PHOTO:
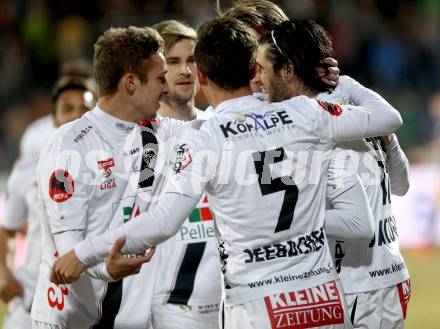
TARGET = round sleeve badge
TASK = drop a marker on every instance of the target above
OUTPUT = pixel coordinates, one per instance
(61, 186)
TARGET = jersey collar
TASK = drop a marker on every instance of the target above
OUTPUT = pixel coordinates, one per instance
(236, 104)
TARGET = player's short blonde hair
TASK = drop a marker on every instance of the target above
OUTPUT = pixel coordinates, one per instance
(261, 15)
(173, 31)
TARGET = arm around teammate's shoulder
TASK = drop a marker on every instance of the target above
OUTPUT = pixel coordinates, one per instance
(398, 165)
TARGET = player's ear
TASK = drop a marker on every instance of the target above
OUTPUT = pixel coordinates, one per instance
(254, 71)
(288, 71)
(201, 76)
(128, 82)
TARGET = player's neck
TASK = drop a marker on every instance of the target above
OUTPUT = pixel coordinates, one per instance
(218, 95)
(184, 112)
(299, 88)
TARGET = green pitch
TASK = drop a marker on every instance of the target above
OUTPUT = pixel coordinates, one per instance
(423, 308)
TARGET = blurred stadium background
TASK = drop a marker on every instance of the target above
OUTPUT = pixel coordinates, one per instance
(392, 46)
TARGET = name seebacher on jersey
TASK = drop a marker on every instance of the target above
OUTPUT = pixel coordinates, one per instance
(304, 245)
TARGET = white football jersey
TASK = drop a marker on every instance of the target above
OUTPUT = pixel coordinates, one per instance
(264, 167)
(265, 192)
(21, 204)
(83, 185)
(378, 264)
(35, 138)
(189, 271)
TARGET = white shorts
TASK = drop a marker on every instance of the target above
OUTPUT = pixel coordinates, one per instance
(380, 309)
(322, 306)
(17, 317)
(172, 316)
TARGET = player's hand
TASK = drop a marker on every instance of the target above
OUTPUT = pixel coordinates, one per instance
(329, 71)
(387, 139)
(119, 266)
(67, 269)
(9, 286)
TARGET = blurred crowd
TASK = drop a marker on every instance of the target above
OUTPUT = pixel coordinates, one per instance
(392, 46)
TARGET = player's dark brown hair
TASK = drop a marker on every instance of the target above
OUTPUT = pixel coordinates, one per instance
(303, 42)
(69, 82)
(121, 50)
(261, 15)
(225, 52)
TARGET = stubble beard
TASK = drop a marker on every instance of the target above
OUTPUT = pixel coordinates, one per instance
(180, 99)
(277, 91)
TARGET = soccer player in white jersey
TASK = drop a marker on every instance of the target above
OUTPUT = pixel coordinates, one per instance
(269, 218)
(71, 98)
(188, 289)
(83, 183)
(373, 274)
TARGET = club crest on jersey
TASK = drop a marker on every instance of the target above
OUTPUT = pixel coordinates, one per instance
(149, 156)
(61, 186)
(183, 158)
(333, 109)
(246, 123)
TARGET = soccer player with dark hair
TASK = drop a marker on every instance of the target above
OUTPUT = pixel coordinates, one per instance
(373, 273)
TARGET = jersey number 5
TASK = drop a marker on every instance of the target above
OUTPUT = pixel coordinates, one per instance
(269, 185)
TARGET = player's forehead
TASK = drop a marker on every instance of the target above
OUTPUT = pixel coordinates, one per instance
(261, 57)
(182, 48)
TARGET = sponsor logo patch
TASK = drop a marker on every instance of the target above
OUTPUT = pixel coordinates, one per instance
(333, 109)
(128, 213)
(107, 166)
(61, 186)
(308, 308)
(199, 224)
(255, 123)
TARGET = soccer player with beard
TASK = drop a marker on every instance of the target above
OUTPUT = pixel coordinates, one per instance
(187, 292)
(71, 97)
(373, 274)
(276, 261)
(263, 16)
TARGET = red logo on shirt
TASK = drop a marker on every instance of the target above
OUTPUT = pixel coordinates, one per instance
(106, 165)
(333, 109)
(308, 308)
(55, 297)
(61, 186)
